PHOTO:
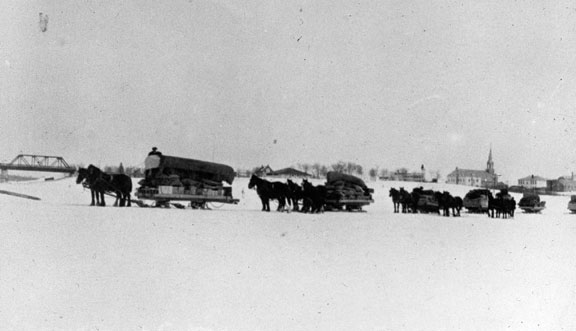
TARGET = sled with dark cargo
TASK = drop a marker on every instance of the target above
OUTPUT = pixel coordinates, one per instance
(169, 178)
(572, 204)
(476, 201)
(346, 192)
(530, 203)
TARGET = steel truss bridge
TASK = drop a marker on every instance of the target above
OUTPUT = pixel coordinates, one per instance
(42, 163)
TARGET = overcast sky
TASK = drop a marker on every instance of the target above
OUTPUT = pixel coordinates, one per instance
(242, 82)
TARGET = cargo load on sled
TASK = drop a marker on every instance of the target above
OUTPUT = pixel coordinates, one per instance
(476, 201)
(346, 192)
(530, 203)
(170, 178)
(572, 204)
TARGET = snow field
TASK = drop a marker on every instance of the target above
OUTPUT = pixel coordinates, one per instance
(67, 266)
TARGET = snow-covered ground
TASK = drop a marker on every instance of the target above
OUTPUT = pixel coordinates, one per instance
(67, 266)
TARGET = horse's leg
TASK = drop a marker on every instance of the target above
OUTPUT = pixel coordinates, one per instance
(263, 200)
(128, 203)
(102, 201)
(294, 204)
(94, 197)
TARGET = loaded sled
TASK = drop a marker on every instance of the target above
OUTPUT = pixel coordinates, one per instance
(530, 203)
(476, 201)
(169, 178)
(572, 204)
(346, 192)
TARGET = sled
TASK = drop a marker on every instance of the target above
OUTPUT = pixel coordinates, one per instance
(197, 201)
(170, 178)
(530, 203)
(476, 201)
(572, 204)
(347, 204)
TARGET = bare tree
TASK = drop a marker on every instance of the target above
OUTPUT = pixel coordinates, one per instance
(316, 167)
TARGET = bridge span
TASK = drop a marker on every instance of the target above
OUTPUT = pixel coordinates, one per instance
(41, 163)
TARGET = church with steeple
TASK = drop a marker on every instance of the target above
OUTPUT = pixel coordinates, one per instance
(478, 178)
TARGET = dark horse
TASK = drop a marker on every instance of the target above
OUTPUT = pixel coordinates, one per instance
(97, 195)
(396, 197)
(296, 194)
(447, 203)
(314, 197)
(100, 183)
(270, 191)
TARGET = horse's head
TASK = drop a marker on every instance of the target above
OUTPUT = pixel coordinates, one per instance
(82, 175)
(253, 181)
(393, 192)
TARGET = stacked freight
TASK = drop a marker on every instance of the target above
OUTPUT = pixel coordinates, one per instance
(346, 191)
(170, 178)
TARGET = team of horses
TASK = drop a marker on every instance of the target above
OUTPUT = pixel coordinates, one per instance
(502, 205)
(419, 200)
(289, 194)
(101, 183)
(425, 201)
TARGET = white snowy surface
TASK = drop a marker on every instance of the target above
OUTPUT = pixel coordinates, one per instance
(67, 266)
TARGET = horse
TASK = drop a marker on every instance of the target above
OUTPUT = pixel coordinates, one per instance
(314, 197)
(395, 195)
(120, 184)
(503, 205)
(84, 178)
(270, 191)
(406, 201)
(295, 194)
(447, 203)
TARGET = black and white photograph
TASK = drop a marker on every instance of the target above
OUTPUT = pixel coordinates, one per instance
(227, 165)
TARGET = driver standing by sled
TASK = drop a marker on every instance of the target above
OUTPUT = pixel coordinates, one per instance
(155, 151)
(152, 162)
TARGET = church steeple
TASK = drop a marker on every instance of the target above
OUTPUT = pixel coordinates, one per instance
(490, 163)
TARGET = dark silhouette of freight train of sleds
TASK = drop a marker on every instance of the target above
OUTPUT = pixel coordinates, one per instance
(171, 180)
(425, 201)
(500, 205)
(167, 179)
(340, 192)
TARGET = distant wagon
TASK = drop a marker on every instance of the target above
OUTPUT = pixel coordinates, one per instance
(347, 192)
(476, 201)
(170, 178)
(572, 204)
(530, 203)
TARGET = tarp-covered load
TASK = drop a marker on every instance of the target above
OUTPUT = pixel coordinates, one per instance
(347, 190)
(531, 203)
(477, 193)
(190, 168)
(169, 178)
(333, 176)
(529, 200)
(477, 200)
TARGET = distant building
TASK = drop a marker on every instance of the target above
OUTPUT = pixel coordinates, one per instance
(533, 182)
(562, 184)
(478, 178)
(405, 176)
(290, 172)
(263, 171)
